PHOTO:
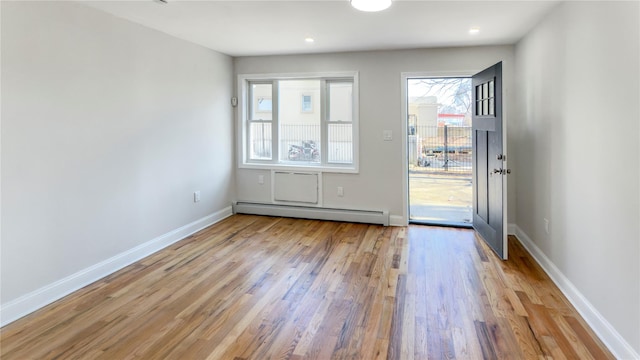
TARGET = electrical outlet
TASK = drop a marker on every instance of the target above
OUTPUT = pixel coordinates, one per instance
(196, 196)
(261, 179)
(546, 226)
(340, 191)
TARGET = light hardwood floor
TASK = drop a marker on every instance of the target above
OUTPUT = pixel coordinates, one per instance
(254, 287)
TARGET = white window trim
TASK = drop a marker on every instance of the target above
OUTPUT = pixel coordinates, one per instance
(242, 113)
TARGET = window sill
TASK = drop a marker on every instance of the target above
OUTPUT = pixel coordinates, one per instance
(311, 168)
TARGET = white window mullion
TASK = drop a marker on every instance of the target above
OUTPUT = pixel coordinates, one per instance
(324, 113)
(275, 125)
(247, 121)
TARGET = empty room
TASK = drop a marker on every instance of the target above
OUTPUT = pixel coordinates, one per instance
(334, 179)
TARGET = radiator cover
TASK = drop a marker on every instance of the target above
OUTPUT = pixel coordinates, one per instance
(296, 187)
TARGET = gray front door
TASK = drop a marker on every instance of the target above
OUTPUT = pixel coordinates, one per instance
(488, 158)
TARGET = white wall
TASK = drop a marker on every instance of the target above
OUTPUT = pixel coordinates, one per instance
(577, 158)
(107, 130)
(378, 185)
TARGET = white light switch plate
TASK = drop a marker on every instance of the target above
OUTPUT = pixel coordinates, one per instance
(387, 135)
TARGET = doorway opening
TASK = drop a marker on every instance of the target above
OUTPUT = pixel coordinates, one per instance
(440, 151)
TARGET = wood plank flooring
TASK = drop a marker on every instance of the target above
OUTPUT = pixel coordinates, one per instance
(253, 287)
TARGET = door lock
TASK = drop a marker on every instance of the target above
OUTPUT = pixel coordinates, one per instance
(501, 157)
(501, 171)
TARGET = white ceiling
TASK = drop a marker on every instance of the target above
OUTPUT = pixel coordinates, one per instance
(241, 28)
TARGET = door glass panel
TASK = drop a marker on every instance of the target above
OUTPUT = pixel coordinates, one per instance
(485, 104)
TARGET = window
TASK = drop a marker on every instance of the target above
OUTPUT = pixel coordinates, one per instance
(340, 122)
(307, 106)
(306, 121)
(263, 104)
(260, 122)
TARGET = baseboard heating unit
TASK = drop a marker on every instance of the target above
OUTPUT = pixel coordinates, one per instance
(317, 213)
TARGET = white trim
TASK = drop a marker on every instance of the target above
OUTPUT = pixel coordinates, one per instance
(397, 220)
(286, 76)
(404, 77)
(310, 168)
(28, 303)
(620, 348)
(505, 165)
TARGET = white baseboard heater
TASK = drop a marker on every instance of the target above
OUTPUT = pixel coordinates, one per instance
(318, 213)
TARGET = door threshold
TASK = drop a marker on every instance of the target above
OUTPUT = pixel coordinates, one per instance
(453, 224)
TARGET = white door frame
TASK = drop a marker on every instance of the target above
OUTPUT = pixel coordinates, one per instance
(404, 76)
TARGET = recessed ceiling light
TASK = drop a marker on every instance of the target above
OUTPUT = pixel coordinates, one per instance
(370, 5)
(309, 40)
(474, 30)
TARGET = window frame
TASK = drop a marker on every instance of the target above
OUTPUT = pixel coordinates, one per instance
(273, 121)
(244, 112)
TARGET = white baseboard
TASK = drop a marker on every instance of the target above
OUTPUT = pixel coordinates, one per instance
(397, 220)
(39, 298)
(607, 333)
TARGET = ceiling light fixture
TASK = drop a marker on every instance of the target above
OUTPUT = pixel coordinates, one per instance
(474, 30)
(370, 5)
(309, 39)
